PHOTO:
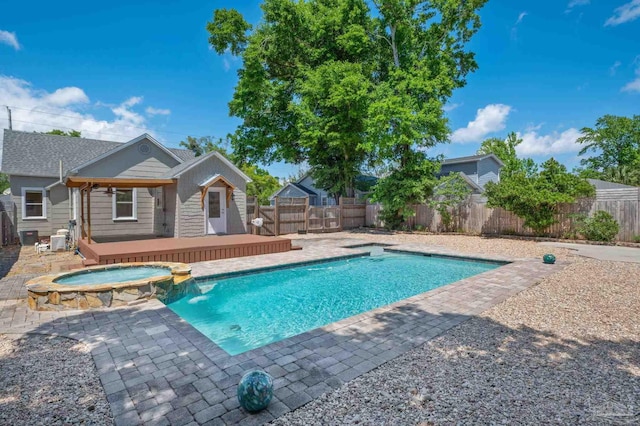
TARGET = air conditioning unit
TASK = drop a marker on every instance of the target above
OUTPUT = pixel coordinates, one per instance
(58, 243)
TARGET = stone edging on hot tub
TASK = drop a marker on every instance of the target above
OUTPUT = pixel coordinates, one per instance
(44, 294)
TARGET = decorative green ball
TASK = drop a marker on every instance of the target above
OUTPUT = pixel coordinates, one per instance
(549, 259)
(255, 391)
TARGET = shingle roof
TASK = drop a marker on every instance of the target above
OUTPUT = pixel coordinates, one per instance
(303, 188)
(470, 159)
(38, 154)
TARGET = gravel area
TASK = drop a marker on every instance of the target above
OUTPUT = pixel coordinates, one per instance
(461, 243)
(48, 380)
(566, 351)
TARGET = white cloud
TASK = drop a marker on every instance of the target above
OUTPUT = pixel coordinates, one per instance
(614, 68)
(451, 107)
(10, 39)
(65, 108)
(634, 86)
(67, 96)
(521, 17)
(575, 3)
(625, 13)
(489, 119)
(554, 143)
(157, 111)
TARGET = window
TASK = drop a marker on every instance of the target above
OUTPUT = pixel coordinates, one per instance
(34, 203)
(124, 204)
(325, 201)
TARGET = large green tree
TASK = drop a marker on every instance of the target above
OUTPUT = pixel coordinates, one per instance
(339, 85)
(421, 59)
(536, 198)
(614, 143)
(304, 86)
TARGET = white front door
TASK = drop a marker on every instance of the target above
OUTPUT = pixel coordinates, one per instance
(215, 208)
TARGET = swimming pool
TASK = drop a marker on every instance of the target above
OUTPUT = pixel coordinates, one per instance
(249, 311)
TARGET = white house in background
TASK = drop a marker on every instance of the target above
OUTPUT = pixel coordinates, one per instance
(477, 170)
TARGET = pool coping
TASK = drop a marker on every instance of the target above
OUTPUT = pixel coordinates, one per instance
(155, 367)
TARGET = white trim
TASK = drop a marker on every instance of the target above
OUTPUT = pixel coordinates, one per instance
(134, 210)
(211, 179)
(123, 146)
(221, 158)
(223, 205)
(24, 203)
(53, 185)
(75, 197)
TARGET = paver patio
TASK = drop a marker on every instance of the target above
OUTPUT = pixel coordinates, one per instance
(156, 368)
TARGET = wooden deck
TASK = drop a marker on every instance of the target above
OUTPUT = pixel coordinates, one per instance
(186, 250)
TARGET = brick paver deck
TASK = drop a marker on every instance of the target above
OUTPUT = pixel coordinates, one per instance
(156, 368)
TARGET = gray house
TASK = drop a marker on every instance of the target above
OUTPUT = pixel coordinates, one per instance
(121, 190)
(303, 188)
(477, 170)
(306, 187)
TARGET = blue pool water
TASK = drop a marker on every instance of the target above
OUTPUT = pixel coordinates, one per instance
(249, 311)
(115, 275)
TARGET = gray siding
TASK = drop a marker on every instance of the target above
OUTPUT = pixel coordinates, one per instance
(43, 226)
(308, 182)
(488, 171)
(190, 219)
(470, 169)
(102, 223)
(130, 162)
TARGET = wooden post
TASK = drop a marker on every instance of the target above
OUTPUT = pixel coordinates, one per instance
(82, 233)
(276, 218)
(89, 215)
(256, 214)
(306, 214)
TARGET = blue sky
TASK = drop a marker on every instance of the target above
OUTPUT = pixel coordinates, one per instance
(114, 70)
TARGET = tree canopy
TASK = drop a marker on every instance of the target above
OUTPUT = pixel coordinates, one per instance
(505, 150)
(341, 85)
(536, 198)
(614, 143)
(72, 133)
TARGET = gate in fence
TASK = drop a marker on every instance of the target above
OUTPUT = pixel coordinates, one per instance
(324, 219)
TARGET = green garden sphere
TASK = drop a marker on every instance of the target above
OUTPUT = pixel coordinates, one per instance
(255, 391)
(549, 259)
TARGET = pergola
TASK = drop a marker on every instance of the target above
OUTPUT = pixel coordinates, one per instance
(87, 184)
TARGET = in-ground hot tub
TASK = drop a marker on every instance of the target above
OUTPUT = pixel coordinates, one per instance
(111, 285)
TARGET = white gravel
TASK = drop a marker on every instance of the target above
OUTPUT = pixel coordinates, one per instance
(49, 381)
(566, 351)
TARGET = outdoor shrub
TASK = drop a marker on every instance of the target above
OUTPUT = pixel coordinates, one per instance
(601, 227)
(636, 239)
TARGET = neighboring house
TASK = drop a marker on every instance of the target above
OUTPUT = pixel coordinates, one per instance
(477, 170)
(163, 191)
(305, 187)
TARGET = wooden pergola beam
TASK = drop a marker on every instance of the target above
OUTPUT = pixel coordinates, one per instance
(86, 184)
(125, 183)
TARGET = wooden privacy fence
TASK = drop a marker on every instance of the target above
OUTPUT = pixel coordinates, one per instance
(477, 218)
(292, 215)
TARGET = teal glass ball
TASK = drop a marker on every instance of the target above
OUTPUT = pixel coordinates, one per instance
(255, 391)
(549, 259)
